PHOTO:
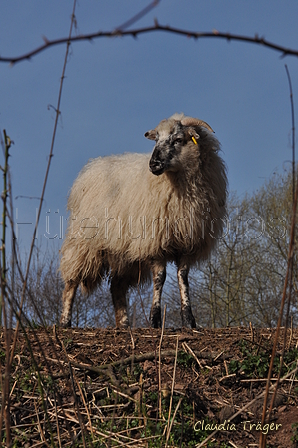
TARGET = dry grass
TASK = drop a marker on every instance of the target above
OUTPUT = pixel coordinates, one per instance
(101, 387)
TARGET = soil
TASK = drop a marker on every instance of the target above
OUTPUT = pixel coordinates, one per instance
(91, 379)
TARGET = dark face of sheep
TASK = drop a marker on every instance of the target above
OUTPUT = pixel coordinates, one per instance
(170, 139)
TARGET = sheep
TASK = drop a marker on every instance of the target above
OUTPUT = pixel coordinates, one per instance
(131, 214)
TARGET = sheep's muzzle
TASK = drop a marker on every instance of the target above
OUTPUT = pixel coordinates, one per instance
(156, 166)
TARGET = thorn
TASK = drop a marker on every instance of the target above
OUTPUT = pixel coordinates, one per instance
(156, 22)
(45, 39)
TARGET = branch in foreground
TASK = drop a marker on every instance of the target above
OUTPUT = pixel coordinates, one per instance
(168, 29)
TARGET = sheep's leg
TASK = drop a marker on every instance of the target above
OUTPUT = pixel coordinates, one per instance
(68, 298)
(159, 277)
(119, 289)
(186, 314)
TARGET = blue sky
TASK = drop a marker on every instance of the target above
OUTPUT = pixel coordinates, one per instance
(118, 88)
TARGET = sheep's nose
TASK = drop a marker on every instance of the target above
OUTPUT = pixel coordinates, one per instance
(156, 166)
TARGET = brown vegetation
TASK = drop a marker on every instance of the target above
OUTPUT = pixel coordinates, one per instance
(101, 387)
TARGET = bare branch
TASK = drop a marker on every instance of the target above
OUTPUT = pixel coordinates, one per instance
(168, 29)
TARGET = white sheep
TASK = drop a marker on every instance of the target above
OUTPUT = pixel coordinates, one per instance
(131, 214)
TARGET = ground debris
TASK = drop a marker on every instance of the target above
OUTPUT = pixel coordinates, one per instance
(108, 387)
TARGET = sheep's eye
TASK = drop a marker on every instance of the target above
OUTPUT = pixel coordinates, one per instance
(178, 141)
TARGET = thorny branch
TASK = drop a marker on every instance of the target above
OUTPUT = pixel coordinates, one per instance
(119, 32)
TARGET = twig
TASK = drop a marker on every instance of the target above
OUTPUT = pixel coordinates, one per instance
(215, 359)
(151, 29)
(72, 377)
(172, 393)
(149, 356)
(251, 331)
(5, 408)
(173, 418)
(82, 426)
(40, 428)
(85, 405)
(184, 344)
(56, 418)
(159, 362)
(231, 375)
(293, 130)
(293, 379)
(226, 367)
(291, 333)
(7, 143)
(255, 380)
(137, 16)
(122, 394)
(233, 444)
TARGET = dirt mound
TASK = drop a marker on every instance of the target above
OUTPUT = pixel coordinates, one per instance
(139, 388)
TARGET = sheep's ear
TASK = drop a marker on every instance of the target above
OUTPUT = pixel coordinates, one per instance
(193, 134)
(151, 134)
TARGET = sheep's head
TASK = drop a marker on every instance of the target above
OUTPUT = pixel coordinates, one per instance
(172, 136)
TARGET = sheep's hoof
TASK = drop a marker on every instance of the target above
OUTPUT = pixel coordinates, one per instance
(123, 325)
(65, 324)
(188, 321)
(155, 317)
(122, 320)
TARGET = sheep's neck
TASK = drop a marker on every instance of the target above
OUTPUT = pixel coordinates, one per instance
(177, 182)
(185, 185)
